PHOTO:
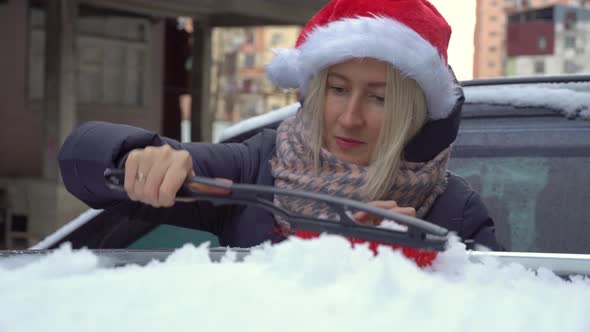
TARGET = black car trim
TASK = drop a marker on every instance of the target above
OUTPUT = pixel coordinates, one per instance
(527, 80)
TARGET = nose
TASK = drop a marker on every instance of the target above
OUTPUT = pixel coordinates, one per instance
(352, 116)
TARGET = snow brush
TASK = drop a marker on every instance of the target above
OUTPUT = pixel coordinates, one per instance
(417, 239)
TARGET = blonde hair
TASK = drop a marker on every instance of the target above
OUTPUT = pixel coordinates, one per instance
(405, 114)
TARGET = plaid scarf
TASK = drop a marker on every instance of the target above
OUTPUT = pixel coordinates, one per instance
(417, 184)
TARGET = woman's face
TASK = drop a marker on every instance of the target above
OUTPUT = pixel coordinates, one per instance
(354, 109)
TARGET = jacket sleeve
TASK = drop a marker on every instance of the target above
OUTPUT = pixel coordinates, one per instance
(95, 146)
(478, 226)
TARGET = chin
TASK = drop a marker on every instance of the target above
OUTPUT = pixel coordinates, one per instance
(352, 160)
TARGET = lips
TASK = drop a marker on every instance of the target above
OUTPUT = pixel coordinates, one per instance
(347, 143)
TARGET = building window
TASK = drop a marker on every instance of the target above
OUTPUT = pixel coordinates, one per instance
(570, 42)
(249, 60)
(570, 20)
(493, 33)
(493, 18)
(517, 3)
(113, 55)
(247, 86)
(542, 43)
(491, 64)
(111, 67)
(493, 49)
(570, 67)
(250, 36)
(276, 39)
(539, 67)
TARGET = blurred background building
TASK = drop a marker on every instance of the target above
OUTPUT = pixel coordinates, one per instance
(155, 64)
(239, 86)
(491, 31)
(548, 41)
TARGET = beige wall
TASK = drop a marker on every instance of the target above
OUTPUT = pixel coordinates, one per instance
(20, 127)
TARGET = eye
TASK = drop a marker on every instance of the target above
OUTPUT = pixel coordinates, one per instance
(337, 89)
(378, 99)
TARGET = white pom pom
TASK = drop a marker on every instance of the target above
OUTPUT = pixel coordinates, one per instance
(283, 70)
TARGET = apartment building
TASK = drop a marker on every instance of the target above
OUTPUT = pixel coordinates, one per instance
(239, 85)
(548, 41)
(490, 31)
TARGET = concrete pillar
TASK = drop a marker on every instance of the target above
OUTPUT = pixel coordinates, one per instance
(201, 114)
(59, 114)
(50, 204)
(19, 124)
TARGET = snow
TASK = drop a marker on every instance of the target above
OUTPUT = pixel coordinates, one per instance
(572, 103)
(298, 285)
(259, 121)
(390, 224)
(572, 99)
(67, 229)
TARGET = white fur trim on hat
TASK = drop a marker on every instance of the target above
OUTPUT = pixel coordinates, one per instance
(283, 70)
(376, 37)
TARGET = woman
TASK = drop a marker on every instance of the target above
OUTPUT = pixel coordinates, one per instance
(380, 109)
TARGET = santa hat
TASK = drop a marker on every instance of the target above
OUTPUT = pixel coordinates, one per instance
(410, 34)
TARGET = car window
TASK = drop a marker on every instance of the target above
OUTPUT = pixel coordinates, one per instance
(538, 203)
(171, 237)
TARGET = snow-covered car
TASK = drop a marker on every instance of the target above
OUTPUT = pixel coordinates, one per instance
(524, 144)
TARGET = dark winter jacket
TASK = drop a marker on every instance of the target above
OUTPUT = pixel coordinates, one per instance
(95, 146)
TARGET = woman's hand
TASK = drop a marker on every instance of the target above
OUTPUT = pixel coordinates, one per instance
(154, 175)
(367, 218)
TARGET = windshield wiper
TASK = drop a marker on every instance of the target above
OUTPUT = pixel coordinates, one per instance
(419, 234)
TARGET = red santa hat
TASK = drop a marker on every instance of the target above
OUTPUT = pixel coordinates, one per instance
(410, 34)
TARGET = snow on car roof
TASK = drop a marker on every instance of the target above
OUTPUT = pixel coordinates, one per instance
(571, 101)
(259, 121)
(297, 285)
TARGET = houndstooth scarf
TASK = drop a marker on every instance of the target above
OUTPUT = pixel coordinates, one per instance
(417, 184)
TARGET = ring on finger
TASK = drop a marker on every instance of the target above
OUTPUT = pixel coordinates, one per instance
(140, 177)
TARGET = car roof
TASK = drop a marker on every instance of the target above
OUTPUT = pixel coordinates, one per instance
(567, 97)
